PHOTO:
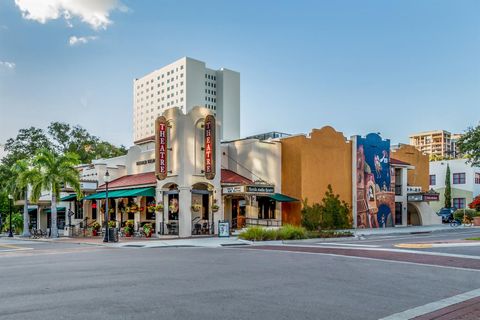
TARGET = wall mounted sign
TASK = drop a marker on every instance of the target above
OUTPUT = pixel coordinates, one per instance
(414, 189)
(236, 189)
(431, 197)
(260, 189)
(210, 147)
(415, 197)
(161, 126)
(145, 162)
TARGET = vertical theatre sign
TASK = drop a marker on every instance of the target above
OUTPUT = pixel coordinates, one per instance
(161, 148)
(210, 147)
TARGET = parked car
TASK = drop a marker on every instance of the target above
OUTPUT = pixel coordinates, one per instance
(446, 214)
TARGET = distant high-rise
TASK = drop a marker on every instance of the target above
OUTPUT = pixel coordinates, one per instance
(187, 83)
(439, 143)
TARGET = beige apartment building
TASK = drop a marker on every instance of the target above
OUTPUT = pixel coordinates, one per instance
(439, 143)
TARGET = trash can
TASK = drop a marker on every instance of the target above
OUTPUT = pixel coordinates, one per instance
(112, 235)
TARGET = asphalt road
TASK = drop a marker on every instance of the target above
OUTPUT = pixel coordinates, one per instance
(68, 281)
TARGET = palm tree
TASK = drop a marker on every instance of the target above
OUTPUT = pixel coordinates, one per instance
(54, 172)
(23, 175)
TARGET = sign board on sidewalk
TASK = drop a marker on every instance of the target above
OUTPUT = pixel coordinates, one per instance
(223, 228)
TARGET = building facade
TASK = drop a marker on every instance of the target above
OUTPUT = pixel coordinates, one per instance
(361, 171)
(464, 180)
(185, 84)
(438, 143)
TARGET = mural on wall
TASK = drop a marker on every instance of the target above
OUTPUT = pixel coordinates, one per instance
(375, 194)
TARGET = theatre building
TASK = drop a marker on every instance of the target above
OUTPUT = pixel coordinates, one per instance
(184, 181)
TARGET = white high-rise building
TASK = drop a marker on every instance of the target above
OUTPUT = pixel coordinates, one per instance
(186, 83)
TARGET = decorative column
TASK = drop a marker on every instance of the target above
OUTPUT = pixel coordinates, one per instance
(185, 212)
(117, 213)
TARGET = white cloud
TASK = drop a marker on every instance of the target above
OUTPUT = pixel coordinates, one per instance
(8, 65)
(93, 12)
(74, 40)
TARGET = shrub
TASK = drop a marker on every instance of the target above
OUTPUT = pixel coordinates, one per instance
(331, 213)
(289, 232)
(17, 223)
(458, 214)
(329, 234)
(252, 233)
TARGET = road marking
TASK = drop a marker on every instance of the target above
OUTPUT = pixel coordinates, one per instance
(347, 245)
(11, 248)
(438, 245)
(441, 254)
(362, 258)
(414, 245)
(434, 306)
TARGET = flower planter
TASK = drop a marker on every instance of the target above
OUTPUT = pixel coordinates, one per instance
(476, 221)
(94, 233)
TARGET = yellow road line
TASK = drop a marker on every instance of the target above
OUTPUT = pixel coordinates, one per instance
(414, 245)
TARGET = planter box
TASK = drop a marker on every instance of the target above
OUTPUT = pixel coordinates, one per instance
(476, 221)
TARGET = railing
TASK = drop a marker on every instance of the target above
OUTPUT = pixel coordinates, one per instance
(263, 222)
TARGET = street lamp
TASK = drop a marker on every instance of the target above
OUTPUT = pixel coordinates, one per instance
(10, 198)
(106, 178)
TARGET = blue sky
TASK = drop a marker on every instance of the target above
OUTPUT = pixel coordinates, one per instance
(394, 67)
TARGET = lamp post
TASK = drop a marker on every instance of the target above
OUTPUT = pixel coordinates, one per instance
(106, 178)
(10, 198)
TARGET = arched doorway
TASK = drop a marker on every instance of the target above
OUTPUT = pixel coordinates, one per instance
(202, 213)
(169, 222)
(413, 215)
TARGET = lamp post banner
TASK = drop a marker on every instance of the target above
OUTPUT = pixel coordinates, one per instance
(210, 147)
(161, 148)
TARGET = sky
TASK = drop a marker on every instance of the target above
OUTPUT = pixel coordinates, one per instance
(391, 66)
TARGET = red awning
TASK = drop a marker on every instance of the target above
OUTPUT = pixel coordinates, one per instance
(133, 180)
(231, 177)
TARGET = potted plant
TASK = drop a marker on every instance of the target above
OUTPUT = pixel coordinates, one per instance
(151, 208)
(196, 207)
(133, 207)
(95, 228)
(215, 207)
(128, 230)
(148, 229)
(159, 207)
(112, 224)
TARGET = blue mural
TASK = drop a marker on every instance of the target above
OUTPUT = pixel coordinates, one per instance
(375, 197)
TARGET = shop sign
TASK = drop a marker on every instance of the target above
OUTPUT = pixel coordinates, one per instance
(210, 147)
(236, 189)
(260, 189)
(161, 148)
(431, 197)
(415, 197)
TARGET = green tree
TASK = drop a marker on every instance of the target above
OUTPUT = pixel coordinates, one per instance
(76, 139)
(469, 145)
(331, 213)
(50, 173)
(448, 189)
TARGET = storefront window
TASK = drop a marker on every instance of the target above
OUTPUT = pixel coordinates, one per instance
(266, 208)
